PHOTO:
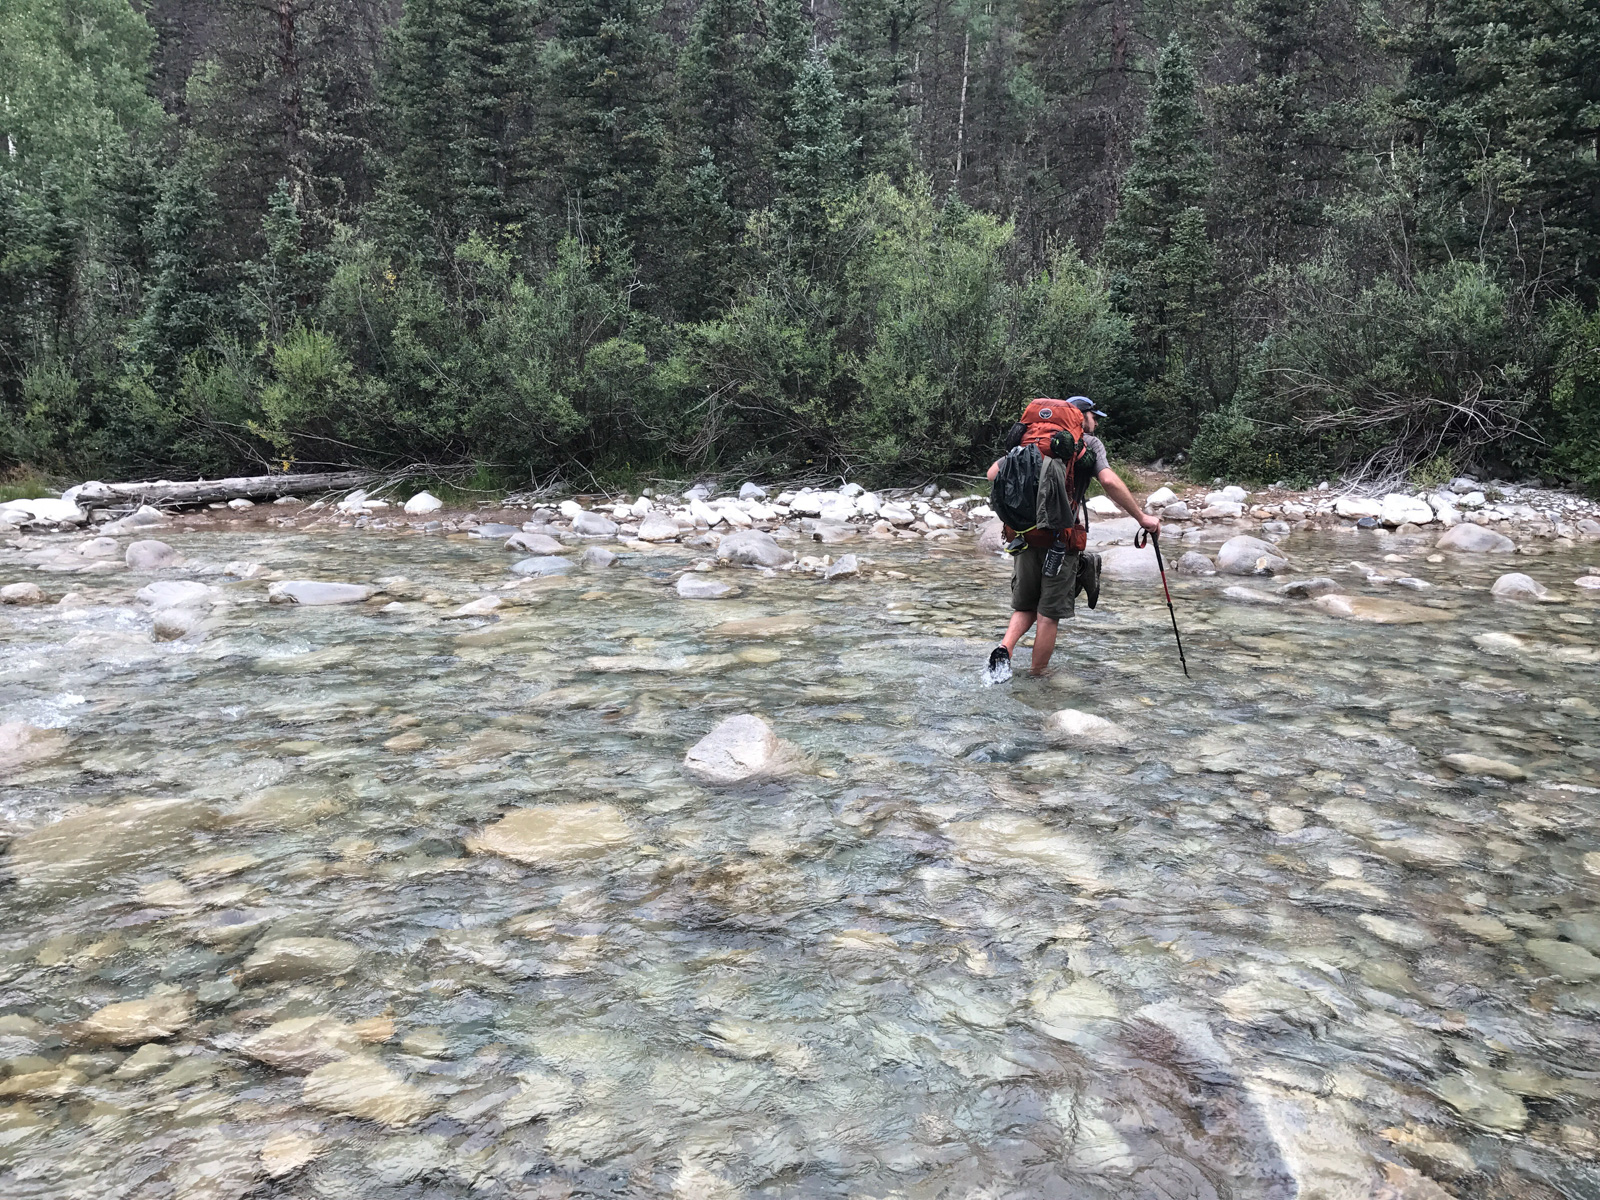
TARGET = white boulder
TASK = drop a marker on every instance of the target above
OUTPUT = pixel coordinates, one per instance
(695, 586)
(1085, 728)
(315, 592)
(752, 548)
(174, 593)
(1517, 586)
(741, 749)
(1353, 508)
(149, 555)
(1250, 556)
(1161, 497)
(1397, 508)
(423, 502)
(1467, 538)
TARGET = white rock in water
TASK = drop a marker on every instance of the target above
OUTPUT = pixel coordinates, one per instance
(846, 567)
(174, 593)
(752, 548)
(1588, 583)
(239, 503)
(597, 558)
(174, 623)
(21, 593)
(1517, 586)
(570, 509)
(144, 517)
(1129, 562)
(534, 543)
(741, 748)
(1087, 728)
(424, 502)
(46, 509)
(734, 515)
(1308, 589)
(1378, 610)
(149, 555)
(1397, 508)
(658, 529)
(1195, 563)
(315, 592)
(896, 514)
(702, 513)
(1353, 508)
(363, 1087)
(1222, 510)
(553, 834)
(131, 1021)
(22, 743)
(695, 586)
(1246, 595)
(808, 504)
(481, 607)
(589, 524)
(300, 957)
(1475, 539)
(1250, 556)
(1477, 764)
(1160, 497)
(868, 504)
(1104, 506)
(100, 547)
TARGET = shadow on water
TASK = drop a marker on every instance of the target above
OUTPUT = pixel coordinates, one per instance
(1269, 936)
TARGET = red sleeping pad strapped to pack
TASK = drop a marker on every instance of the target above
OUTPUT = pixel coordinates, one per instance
(1043, 419)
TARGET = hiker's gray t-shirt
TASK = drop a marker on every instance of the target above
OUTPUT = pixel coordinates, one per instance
(1095, 450)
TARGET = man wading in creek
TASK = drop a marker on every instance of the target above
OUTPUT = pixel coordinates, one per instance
(1039, 489)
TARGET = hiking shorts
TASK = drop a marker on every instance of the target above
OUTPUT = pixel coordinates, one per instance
(1032, 592)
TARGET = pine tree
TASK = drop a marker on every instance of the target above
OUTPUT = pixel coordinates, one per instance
(869, 65)
(186, 303)
(722, 97)
(457, 92)
(816, 157)
(1162, 260)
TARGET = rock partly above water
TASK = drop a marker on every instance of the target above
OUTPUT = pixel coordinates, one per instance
(22, 744)
(149, 555)
(1086, 728)
(1517, 586)
(314, 592)
(542, 565)
(176, 593)
(1250, 556)
(753, 548)
(694, 586)
(741, 749)
(1475, 539)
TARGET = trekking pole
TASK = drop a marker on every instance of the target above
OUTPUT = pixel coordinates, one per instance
(1154, 539)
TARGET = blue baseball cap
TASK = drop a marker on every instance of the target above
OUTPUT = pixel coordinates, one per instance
(1084, 404)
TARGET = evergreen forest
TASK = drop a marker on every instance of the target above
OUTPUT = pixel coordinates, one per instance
(1275, 239)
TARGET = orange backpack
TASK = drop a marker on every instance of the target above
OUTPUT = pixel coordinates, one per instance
(1045, 418)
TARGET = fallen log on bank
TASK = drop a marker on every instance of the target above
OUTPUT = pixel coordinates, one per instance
(163, 493)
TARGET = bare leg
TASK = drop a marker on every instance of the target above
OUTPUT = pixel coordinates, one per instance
(1021, 622)
(1044, 643)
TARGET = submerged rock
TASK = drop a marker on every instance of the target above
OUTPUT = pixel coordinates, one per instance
(1482, 1102)
(1475, 539)
(695, 586)
(361, 1086)
(752, 548)
(97, 842)
(300, 957)
(550, 834)
(1568, 960)
(1378, 611)
(1477, 764)
(1007, 841)
(542, 565)
(1249, 595)
(1195, 563)
(1250, 556)
(149, 555)
(314, 592)
(147, 1020)
(174, 623)
(846, 567)
(765, 627)
(97, 548)
(303, 1044)
(1085, 728)
(597, 558)
(739, 749)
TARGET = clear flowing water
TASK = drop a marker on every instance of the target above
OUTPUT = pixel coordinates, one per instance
(1271, 945)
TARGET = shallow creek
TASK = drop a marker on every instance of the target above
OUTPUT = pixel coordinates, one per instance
(1271, 946)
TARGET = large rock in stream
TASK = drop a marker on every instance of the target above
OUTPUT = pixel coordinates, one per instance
(175, 593)
(1475, 539)
(149, 555)
(1250, 556)
(739, 750)
(753, 548)
(315, 592)
(1377, 611)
